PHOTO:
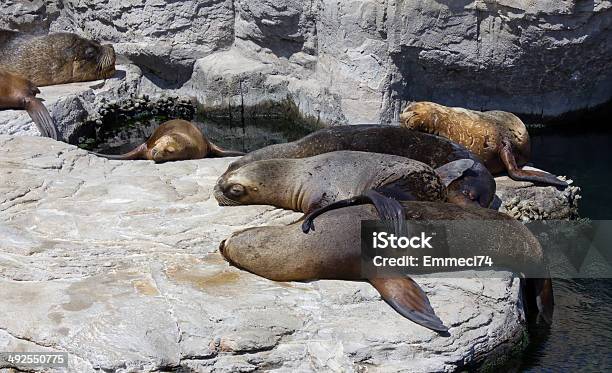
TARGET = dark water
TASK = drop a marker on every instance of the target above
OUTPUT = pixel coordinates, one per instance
(580, 339)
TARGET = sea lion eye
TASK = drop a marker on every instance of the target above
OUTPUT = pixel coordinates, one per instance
(236, 190)
(90, 52)
(170, 149)
(470, 194)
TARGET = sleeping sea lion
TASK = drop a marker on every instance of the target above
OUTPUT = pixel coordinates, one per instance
(499, 138)
(476, 186)
(306, 184)
(174, 140)
(284, 253)
(55, 58)
(19, 93)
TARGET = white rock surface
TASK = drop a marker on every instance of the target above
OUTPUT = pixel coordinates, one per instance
(117, 264)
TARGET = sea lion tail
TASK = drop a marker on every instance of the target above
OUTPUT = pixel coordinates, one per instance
(405, 296)
(539, 293)
(519, 174)
(220, 152)
(137, 153)
(40, 116)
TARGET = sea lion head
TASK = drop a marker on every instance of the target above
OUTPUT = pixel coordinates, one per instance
(246, 185)
(86, 59)
(167, 148)
(475, 187)
(415, 113)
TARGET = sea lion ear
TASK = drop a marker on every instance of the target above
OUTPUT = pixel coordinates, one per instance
(453, 170)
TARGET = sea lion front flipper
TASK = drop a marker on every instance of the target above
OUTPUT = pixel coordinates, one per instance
(516, 173)
(540, 291)
(139, 153)
(405, 296)
(453, 170)
(387, 208)
(40, 116)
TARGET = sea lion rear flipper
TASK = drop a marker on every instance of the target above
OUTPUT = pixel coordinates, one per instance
(540, 292)
(388, 208)
(518, 174)
(40, 116)
(453, 170)
(220, 152)
(405, 296)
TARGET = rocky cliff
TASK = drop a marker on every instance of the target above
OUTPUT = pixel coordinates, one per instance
(353, 61)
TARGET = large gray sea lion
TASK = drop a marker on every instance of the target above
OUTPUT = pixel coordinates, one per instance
(499, 138)
(334, 252)
(174, 140)
(19, 93)
(307, 184)
(55, 58)
(476, 186)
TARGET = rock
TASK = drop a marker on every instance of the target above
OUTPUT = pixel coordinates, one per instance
(116, 263)
(357, 61)
(524, 201)
(71, 104)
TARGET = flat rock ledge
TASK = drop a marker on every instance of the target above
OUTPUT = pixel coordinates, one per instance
(116, 263)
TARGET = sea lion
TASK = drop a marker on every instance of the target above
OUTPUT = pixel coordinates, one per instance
(499, 138)
(476, 186)
(284, 253)
(19, 93)
(174, 140)
(55, 58)
(307, 184)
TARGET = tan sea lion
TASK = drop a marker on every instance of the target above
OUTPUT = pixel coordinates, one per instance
(476, 186)
(174, 140)
(306, 184)
(284, 253)
(55, 58)
(499, 138)
(19, 94)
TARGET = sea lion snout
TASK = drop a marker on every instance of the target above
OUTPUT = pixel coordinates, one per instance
(107, 61)
(220, 192)
(222, 247)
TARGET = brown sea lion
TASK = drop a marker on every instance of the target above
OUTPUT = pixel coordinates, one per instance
(174, 140)
(55, 58)
(306, 184)
(284, 253)
(476, 186)
(19, 93)
(499, 138)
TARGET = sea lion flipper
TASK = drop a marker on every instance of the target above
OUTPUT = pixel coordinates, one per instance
(405, 296)
(388, 208)
(135, 154)
(220, 152)
(40, 116)
(516, 173)
(453, 170)
(541, 292)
